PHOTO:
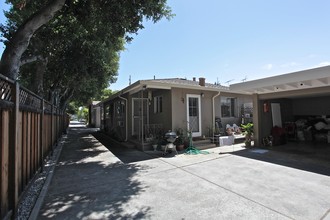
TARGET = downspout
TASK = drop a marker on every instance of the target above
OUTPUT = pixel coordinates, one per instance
(126, 119)
(213, 112)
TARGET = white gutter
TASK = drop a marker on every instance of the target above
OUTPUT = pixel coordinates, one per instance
(213, 112)
(126, 119)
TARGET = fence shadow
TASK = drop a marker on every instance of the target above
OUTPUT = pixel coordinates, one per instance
(105, 194)
(88, 184)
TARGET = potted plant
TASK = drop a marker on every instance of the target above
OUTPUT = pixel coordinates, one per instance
(154, 143)
(248, 132)
(179, 142)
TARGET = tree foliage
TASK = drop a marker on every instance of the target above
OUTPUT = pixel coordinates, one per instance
(105, 94)
(23, 32)
(77, 52)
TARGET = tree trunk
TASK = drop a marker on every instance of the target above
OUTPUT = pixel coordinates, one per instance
(66, 101)
(38, 83)
(11, 57)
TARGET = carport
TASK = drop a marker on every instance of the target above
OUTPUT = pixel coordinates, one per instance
(285, 99)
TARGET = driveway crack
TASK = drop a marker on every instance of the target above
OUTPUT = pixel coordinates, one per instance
(325, 214)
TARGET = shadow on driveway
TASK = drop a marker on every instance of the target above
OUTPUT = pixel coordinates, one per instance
(126, 155)
(297, 161)
(89, 182)
(281, 156)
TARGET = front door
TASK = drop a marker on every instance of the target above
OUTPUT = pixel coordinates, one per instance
(194, 114)
(140, 116)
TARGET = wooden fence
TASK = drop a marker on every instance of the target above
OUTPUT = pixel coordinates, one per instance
(29, 128)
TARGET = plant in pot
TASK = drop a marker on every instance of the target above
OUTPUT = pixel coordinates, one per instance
(248, 132)
(155, 142)
(179, 142)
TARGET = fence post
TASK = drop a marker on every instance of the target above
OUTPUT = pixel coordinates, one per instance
(13, 152)
(57, 134)
(51, 129)
(41, 135)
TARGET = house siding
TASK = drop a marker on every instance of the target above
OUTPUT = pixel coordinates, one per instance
(207, 121)
(179, 109)
(163, 117)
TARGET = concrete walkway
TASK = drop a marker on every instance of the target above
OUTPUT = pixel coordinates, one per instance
(90, 182)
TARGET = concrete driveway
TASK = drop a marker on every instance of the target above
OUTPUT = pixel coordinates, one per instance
(90, 182)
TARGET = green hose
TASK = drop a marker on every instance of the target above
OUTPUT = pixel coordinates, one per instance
(192, 150)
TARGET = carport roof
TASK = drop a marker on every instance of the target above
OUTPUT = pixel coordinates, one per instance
(306, 79)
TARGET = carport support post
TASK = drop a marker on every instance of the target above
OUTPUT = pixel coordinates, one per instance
(256, 119)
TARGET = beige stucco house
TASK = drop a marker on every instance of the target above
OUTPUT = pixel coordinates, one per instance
(148, 107)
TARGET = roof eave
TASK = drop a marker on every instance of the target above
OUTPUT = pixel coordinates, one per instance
(272, 84)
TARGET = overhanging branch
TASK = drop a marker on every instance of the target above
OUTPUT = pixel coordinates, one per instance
(11, 57)
(31, 59)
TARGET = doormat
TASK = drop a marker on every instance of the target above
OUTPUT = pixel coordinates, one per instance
(259, 151)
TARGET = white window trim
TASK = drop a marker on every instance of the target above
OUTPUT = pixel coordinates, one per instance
(195, 134)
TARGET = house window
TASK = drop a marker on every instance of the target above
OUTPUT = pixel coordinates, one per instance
(107, 111)
(193, 107)
(158, 104)
(228, 106)
(120, 111)
(120, 108)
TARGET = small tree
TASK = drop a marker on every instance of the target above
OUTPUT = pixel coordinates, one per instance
(248, 132)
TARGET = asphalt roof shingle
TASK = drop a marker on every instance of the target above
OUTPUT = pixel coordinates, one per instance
(180, 81)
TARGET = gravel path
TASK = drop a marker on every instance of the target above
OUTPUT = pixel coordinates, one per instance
(30, 197)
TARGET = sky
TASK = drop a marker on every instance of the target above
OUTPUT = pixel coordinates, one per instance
(228, 41)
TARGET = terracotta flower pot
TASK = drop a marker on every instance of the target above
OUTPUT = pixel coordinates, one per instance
(180, 147)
